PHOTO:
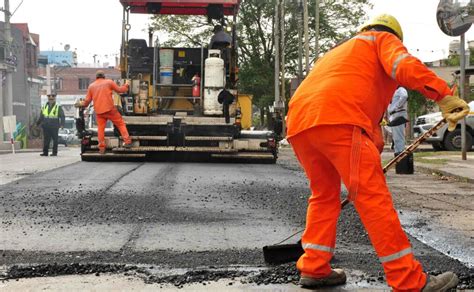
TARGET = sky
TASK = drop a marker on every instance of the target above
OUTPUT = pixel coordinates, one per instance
(93, 27)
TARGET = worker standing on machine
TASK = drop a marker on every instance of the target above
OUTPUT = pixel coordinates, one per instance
(333, 127)
(100, 91)
(220, 39)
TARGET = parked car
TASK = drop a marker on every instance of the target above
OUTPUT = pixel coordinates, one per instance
(443, 139)
(65, 136)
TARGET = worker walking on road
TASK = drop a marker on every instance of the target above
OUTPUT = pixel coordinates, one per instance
(100, 92)
(51, 119)
(333, 127)
(398, 117)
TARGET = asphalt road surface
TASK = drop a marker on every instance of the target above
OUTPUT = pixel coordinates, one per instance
(175, 223)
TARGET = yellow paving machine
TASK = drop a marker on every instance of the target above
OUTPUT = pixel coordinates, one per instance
(183, 101)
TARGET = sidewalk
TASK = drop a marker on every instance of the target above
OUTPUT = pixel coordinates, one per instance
(27, 162)
(450, 165)
(445, 163)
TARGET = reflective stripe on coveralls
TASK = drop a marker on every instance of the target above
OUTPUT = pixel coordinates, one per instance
(324, 153)
(395, 256)
(318, 247)
(365, 37)
(397, 61)
(395, 65)
(53, 114)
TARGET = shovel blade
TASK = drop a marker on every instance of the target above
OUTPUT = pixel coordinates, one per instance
(283, 253)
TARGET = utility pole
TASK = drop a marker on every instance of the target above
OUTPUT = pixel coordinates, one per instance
(8, 98)
(306, 34)
(299, 24)
(48, 79)
(282, 51)
(316, 32)
(462, 88)
(9, 84)
(282, 110)
(276, 43)
(2, 134)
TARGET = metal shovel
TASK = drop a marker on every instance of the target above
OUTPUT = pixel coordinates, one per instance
(284, 253)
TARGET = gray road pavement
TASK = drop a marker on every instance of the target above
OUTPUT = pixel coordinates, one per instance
(184, 216)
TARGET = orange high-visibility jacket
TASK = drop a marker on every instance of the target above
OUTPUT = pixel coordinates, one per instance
(354, 83)
(100, 91)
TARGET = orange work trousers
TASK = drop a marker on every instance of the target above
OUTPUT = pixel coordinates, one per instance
(329, 153)
(116, 118)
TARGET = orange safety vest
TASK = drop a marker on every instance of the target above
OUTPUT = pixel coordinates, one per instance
(100, 91)
(354, 84)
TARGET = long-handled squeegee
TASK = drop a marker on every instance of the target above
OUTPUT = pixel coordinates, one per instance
(284, 253)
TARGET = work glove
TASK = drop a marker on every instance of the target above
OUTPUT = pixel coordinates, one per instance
(453, 109)
(383, 122)
(79, 104)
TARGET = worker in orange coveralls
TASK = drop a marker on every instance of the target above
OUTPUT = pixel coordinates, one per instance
(100, 91)
(333, 127)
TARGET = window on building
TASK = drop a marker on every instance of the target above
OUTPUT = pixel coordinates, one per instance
(2, 53)
(84, 83)
(58, 84)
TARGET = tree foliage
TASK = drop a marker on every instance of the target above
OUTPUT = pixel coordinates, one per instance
(339, 19)
(418, 104)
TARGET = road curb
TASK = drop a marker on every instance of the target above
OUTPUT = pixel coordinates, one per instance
(428, 170)
(20, 151)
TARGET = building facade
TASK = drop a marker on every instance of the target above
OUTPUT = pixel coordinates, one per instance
(22, 63)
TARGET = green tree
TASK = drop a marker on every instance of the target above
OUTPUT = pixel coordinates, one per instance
(453, 60)
(338, 20)
(418, 104)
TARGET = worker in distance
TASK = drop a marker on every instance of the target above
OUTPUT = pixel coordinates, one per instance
(100, 92)
(333, 127)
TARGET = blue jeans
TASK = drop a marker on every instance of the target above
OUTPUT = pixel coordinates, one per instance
(398, 136)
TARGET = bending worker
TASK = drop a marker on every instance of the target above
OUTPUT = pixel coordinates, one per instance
(333, 127)
(100, 91)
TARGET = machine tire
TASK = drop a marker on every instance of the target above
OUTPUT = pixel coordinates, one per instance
(452, 140)
(438, 146)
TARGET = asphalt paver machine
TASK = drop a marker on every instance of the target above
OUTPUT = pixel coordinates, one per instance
(183, 100)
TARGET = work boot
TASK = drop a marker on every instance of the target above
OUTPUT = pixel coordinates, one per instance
(44, 154)
(441, 283)
(127, 145)
(102, 150)
(337, 277)
(54, 154)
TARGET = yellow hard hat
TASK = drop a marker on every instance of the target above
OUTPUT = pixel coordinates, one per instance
(386, 20)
